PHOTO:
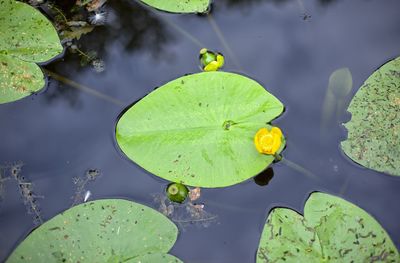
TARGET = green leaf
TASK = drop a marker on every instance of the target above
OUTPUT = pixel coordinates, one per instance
(179, 6)
(155, 258)
(332, 230)
(374, 129)
(109, 230)
(198, 130)
(26, 38)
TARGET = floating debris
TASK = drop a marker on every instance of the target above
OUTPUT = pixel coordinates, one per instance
(194, 193)
(305, 17)
(81, 194)
(87, 195)
(91, 5)
(187, 213)
(98, 65)
(98, 18)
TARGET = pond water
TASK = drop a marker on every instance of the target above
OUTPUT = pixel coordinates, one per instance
(62, 132)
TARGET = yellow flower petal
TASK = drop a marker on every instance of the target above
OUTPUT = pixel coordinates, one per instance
(276, 131)
(212, 66)
(257, 137)
(220, 61)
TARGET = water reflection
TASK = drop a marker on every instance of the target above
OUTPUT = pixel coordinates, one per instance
(241, 3)
(132, 26)
(129, 25)
(336, 100)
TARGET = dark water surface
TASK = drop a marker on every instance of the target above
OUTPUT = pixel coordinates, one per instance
(61, 132)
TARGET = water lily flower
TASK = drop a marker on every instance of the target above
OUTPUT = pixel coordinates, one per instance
(268, 142)
(210, 60)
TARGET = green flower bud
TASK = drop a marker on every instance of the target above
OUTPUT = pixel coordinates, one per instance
(177, 192)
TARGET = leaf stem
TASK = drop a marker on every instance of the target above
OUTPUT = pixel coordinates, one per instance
(223, 41)
(84, 88)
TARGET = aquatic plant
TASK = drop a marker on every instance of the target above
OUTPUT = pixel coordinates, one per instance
(200, 127)
(26, 38)
(331, 230)
(210, 60)
(374, 129)
(109, 230)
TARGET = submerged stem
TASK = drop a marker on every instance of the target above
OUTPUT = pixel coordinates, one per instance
(54, 7)
(82, 53)
(192, 38)
(83, 88)
(298, 168)
(223, 41)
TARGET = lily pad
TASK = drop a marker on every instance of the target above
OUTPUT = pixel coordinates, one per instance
(26, 38)
(331, 230)
(179, 6)
(198, 130)
(109, 230)
(374, 129)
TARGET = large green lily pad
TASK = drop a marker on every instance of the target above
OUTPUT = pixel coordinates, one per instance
(374, 129)
(332, 230)
(198, 130)
(26, 38)
(179, 6)
(109, 230)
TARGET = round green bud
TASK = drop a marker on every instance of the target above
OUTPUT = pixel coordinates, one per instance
(177, 192)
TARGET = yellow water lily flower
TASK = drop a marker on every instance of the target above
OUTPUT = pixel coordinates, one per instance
(210, 60)
(268, 142)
